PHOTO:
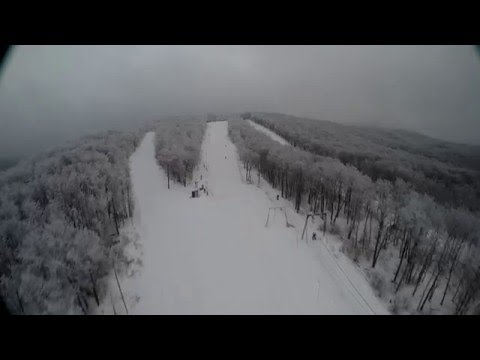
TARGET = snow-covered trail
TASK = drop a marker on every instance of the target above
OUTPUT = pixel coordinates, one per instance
(214, 255)
(269, 133)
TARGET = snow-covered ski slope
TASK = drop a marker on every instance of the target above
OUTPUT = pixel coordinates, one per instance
(214, 254)
(269, 133)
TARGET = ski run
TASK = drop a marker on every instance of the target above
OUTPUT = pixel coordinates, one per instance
(237, 250)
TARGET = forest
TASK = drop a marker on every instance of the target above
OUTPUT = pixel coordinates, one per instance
(62, 213)
(448, 172)
(177, 146)
(60, 219)
(420, 254)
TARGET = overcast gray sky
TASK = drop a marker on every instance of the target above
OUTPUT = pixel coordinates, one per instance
(49, 94)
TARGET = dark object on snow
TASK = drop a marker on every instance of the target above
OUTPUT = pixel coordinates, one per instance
(195, 193)
(278, 197)
(314, 236)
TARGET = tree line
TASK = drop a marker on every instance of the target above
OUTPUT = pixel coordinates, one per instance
(428, 251)
(61, 215)
(450, 173)
(178, 143)
(60, 219)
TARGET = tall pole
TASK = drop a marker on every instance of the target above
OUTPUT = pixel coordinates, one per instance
(168, 174)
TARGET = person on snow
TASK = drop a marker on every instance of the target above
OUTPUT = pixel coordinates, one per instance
(278, 197)
(314, 236)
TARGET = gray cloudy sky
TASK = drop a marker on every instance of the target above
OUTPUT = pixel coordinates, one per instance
(49, 94)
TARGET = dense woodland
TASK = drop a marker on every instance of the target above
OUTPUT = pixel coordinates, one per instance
(60, 219)
(422, 255)
(448, 172)
(177, 146)
(61, 215)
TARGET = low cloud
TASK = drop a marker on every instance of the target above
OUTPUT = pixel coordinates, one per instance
(49, 94)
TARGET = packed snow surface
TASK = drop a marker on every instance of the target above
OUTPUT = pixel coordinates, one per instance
(269, 133)
(215, 255)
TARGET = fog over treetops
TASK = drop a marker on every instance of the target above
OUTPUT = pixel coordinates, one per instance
(50, 94)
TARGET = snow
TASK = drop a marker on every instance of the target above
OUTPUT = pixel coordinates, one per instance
(214, 254)
(268, 132)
